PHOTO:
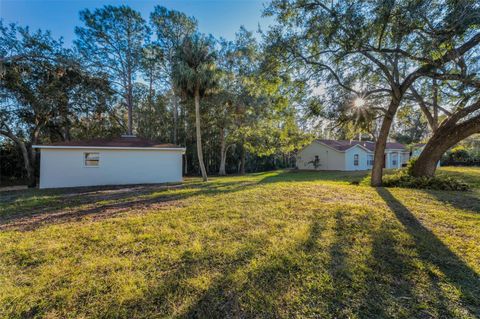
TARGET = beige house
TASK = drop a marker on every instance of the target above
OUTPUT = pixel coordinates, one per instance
(348, 155)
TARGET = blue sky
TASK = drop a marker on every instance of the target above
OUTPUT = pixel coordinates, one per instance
(220, 18)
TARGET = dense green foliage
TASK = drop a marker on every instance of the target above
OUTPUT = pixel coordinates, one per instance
(462, 156)
(403, 179)
(11, 165)
(328, 69)
(127, 75)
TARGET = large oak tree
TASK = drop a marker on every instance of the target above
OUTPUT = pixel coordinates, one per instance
(370, 48)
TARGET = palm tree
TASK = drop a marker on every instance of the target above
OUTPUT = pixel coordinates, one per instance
(194, 74)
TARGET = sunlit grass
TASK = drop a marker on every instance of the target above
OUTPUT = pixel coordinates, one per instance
(470, 175)
(268, 245)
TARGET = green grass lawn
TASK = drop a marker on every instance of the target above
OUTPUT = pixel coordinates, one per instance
(269, 245)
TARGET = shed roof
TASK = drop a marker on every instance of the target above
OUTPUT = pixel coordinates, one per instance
(344, 145)
(119, 142)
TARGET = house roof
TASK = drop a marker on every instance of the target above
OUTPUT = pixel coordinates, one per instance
(419, 145)
(119, 142)
(344, 145)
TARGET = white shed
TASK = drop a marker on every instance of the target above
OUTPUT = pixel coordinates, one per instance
(119, 161)
(348, 155)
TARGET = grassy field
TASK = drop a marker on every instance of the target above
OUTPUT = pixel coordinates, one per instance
(269, 245)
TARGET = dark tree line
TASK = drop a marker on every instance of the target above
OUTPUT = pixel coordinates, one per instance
(373, 70)
(160, 79)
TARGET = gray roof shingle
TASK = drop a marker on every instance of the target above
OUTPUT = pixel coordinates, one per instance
(124, 141)
(344, 145)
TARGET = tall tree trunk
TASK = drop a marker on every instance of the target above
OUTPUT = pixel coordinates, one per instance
(223, 153)
(33, 167)
(426, 164)
(66, 132)
(199, 134)
(33, 153)
(183, 113)
(130, 106)
(65, 123)
(381, 144)
(242, 161)
(150, 88)
(175, 118)
(445, 137)
(185, 163)
(435, 105)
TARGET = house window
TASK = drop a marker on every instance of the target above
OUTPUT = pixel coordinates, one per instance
(355, 160)
(370, 160)
(91, 159)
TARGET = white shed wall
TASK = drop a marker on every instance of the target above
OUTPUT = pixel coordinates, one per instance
(65, 167)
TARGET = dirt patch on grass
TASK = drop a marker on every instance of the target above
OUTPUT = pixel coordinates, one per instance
(95, 204)
(92, 211)
(13, 188)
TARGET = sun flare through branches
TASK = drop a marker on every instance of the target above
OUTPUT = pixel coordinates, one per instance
(358, 102)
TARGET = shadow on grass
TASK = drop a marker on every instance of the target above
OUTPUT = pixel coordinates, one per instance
(433, 251)
(350, 280)
(393, 279)
(32, 208)
(102, 202)
(346, 282)
(219, 298)
(369, 283)
(339, 300)
(306, 176)
(462, 200)
(228, 299)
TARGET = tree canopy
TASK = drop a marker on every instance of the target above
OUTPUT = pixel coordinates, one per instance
(371, 70)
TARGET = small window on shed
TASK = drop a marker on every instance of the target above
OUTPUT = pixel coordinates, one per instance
(92, 159)
(355, 160)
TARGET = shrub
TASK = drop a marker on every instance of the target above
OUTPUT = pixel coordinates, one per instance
(459, 153)
(410, 164)
(445, 183)
(460, 156)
